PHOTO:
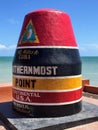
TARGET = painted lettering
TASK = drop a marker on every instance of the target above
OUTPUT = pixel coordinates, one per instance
(27, 83)
(35, 70)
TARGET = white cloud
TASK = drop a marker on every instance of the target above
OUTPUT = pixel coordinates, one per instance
(7, 50)
(88, 46)
(13, 21)
(94, 46)
(82, 49)
(4, 47)
(88, 49)
(12, 47)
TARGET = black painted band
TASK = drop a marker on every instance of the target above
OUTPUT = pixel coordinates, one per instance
(66, 60)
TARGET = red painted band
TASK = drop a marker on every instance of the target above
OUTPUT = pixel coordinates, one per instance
(49, 27)
(47, 97)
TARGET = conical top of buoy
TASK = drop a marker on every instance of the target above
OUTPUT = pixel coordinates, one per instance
(47, 27)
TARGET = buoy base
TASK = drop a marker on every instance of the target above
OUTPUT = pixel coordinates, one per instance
(49, 111)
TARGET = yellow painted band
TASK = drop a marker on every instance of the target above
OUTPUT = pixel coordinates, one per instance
(47, 84)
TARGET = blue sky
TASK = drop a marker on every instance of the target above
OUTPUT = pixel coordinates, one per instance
(83, 14)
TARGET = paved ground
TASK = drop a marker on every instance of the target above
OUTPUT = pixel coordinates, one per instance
(91, 126)
(91, 98)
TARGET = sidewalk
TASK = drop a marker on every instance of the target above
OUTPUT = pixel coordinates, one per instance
(88, 126)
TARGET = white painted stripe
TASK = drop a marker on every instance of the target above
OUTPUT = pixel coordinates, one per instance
(35, 77)
(26, 47)
(48, 104)
(46, 91)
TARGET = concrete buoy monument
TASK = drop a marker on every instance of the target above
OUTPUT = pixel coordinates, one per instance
(47, 79)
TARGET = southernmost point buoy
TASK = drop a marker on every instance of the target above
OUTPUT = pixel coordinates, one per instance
(47, 66)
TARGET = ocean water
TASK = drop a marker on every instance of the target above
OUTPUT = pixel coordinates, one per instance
(6, 69)
(89, 69)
